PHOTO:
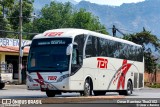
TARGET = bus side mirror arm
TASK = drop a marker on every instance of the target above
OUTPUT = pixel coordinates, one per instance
(69, 49)
(25, 46)
(21, 49)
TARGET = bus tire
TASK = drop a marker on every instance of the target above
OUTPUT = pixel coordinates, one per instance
(2, 85)
(129, 89)
(96, 93)
(87, 88)
(50, 93)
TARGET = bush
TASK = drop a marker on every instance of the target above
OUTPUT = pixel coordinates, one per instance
(156, 85)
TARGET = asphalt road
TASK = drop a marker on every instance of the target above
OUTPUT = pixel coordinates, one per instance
(20, 92)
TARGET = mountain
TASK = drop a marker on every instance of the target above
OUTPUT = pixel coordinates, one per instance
(39, 4)
(129, 18)
(63, 1)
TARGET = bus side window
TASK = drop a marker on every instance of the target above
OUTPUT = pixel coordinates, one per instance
(91, 47)
(76, 62)
(80, 40)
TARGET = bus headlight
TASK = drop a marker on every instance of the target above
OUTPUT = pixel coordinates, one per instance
(62, 77)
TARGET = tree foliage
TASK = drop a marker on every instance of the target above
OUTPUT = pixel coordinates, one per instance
(9, 15)
(85, 20)
(59, 15)
(27, 9)
(56, 15)
(145, 38)
(5, 7)
(150, 62)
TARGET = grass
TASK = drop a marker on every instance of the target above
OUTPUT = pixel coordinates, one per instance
(155, 85)
(152, 85)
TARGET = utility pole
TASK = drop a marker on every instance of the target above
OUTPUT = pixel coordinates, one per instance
(114, 31)
(20, 44)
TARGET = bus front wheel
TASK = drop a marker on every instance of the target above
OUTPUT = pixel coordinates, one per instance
(50, 93)
(87, 88)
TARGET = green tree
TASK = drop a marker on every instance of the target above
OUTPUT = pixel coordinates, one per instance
(145, 38)
(150, 62)
(59, 15)
(27, 9)
(85, 20)
(5, 7)
(4, 26)
(158, 66)
(55, 15)
(30, 29)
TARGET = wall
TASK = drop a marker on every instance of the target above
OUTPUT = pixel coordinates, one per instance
(148, 78)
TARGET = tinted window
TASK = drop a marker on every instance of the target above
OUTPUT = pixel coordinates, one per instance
(91, 47)
(80, 40)
(103, 47)
(49, 55)
(109, 48)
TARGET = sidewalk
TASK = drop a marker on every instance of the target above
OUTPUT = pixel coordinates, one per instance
(146, 88)
(14, 86)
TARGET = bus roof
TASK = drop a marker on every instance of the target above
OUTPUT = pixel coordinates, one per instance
(72, 32)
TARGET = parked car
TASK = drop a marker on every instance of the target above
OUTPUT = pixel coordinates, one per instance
(2, 84)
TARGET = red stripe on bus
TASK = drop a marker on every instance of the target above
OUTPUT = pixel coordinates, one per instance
(124, 70)
(40, 79)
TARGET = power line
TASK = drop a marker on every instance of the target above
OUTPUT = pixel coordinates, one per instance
(114, 29)
(19, 32)
(127, 30)
(23, 17)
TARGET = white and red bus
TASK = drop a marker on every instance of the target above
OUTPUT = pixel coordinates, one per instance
(78, 60)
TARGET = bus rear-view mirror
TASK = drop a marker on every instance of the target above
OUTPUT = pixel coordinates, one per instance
(69, 49)
(21, 49)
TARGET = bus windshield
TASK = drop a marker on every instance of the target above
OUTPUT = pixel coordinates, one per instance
(49, 55)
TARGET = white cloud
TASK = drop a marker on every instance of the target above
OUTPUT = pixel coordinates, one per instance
(112, 2)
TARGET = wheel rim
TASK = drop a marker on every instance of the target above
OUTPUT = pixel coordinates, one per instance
(129, 90)
(87, 88)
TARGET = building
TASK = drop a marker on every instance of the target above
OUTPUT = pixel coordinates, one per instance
(9, 58)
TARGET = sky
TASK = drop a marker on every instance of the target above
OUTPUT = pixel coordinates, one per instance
(112, 2)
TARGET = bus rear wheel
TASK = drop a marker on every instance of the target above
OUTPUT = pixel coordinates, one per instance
(129, 89)
(50, 93)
